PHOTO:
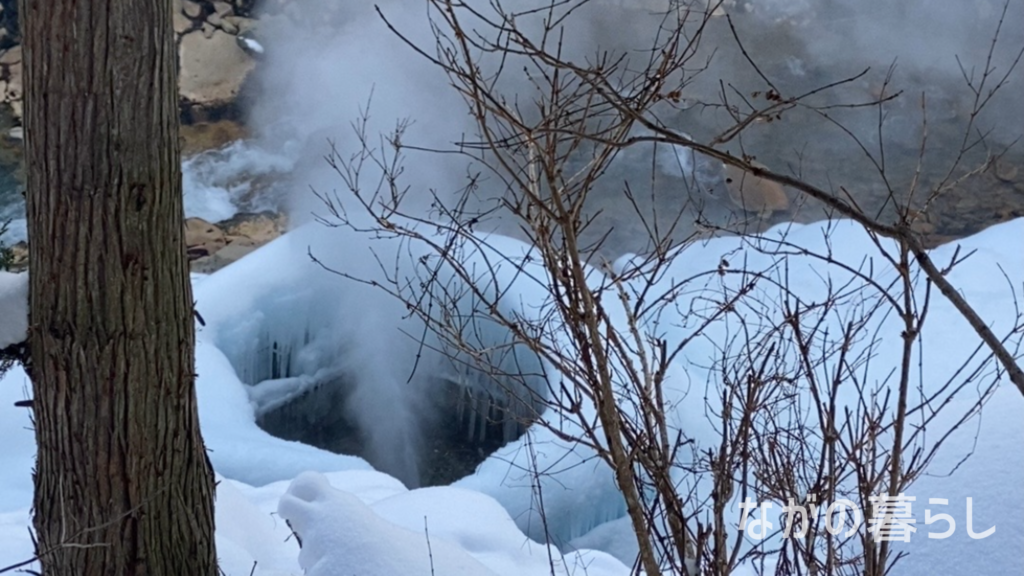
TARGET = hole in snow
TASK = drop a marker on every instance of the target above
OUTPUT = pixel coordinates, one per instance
(427, 421)
(466, 428)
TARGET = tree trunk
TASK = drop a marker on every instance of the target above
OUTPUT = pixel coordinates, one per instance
(122, 483)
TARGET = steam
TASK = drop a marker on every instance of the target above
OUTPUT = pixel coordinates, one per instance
(328, 63)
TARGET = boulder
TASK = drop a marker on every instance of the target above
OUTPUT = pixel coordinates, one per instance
(210, 246)
(260, 228)
(192, 9)
(237, 247)
(213, 69)
(19, 257)
(203, 238)
(214, 246)
(11, 79)
(241, 24)
(755, 194)
(182, 23)
(202, 136)
(11, 56)
(1005, 170)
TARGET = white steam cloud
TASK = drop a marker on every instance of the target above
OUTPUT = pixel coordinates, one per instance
(327, 62)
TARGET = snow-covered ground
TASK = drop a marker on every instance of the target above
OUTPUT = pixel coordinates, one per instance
(357, 520)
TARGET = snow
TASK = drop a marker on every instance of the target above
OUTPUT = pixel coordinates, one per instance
(16, 229)
(239, 449)
(426, 531)
(584, 508)
(13, 308)
(352, 518)
(338, 531)
(329, 330)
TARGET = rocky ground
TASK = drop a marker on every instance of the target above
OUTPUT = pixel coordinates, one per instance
(217, 58)
(211, 246)
(220, 57)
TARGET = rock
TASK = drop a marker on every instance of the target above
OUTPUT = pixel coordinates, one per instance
(228, 27)
(754, 194)
(238, 248)
(244, 7)
(212, 69)
(260, 228)
(19, 257)
(196, 138)
(240, 23)
(11, 56)
(203, 238)
(182, 23)
(11, 72)
(221, 8)
(1005, 171)
(250, 45)
(214, 246)
(192, 9)
(210, 247)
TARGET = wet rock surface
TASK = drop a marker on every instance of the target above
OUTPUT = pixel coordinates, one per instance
(211, 247)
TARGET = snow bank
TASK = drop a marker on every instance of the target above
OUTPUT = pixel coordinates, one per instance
(428, 531)
(469, 533)
(288, 324)
(238, 448)
(584, 508)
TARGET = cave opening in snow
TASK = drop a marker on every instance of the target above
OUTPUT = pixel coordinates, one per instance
(468, 426)
(320, 381)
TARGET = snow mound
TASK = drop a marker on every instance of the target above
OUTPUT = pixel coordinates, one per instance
(341, 535)
(239, 449)
(427, 531)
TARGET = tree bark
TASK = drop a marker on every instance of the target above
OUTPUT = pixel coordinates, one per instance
(122, 482)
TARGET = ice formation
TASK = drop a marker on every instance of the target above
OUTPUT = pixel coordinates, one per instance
(326, 329)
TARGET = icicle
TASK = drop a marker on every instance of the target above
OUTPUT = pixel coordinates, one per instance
(507, 429)
(460, 405)
(484, 415)
(472, 417)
